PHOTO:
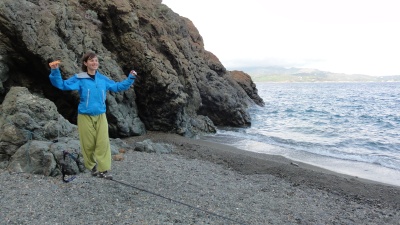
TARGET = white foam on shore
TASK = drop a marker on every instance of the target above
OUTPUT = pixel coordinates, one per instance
(362, 170)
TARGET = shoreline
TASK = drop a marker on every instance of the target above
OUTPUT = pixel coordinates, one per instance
(296, 172)
(367, 171)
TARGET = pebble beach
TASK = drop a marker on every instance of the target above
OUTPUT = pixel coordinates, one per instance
(199, 183)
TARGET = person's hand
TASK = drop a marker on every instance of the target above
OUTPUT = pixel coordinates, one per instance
(133, 73)
(54, 64)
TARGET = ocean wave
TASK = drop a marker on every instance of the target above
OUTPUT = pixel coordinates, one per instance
(351, 121)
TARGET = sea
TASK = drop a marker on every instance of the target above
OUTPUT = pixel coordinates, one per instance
(349, 128)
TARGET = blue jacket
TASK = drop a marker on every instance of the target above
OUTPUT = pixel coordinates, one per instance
(92, 92)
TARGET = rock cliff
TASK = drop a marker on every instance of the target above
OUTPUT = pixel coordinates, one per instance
(182, 88)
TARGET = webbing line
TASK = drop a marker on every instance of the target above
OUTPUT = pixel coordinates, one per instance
(179, 202)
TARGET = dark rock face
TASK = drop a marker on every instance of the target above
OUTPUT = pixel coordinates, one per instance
(244, 80)
(182, 88)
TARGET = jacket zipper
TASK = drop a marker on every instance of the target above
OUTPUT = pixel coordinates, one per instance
(87, 100)
(104, 99)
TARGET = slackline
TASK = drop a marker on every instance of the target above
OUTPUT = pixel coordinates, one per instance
(178, 202)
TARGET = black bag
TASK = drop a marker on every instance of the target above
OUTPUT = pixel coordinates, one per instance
(66, 169)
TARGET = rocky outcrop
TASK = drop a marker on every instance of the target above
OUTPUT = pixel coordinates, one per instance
(244, 80)
(182, 87)
(29, 125)
(25, 117)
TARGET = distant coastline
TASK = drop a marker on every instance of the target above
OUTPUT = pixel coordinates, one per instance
(285, 75)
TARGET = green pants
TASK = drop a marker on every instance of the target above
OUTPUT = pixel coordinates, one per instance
(95, 142)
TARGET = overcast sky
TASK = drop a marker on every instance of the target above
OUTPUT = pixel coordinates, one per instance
(349, 36)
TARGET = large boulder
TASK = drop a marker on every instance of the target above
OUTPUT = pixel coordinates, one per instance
(24, 117)
(44, 157)
(33, 157)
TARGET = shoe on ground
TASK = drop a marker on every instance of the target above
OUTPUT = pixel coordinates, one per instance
(105, 175)
(94, 171)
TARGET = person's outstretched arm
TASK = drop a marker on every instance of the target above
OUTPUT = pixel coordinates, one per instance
(123, 85)
(58, 82)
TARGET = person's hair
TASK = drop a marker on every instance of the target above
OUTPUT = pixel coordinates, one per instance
(85, 58)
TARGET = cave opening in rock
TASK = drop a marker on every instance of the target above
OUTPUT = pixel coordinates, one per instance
(28, 70)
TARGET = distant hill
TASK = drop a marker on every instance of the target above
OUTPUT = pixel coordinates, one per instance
(280, 74)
